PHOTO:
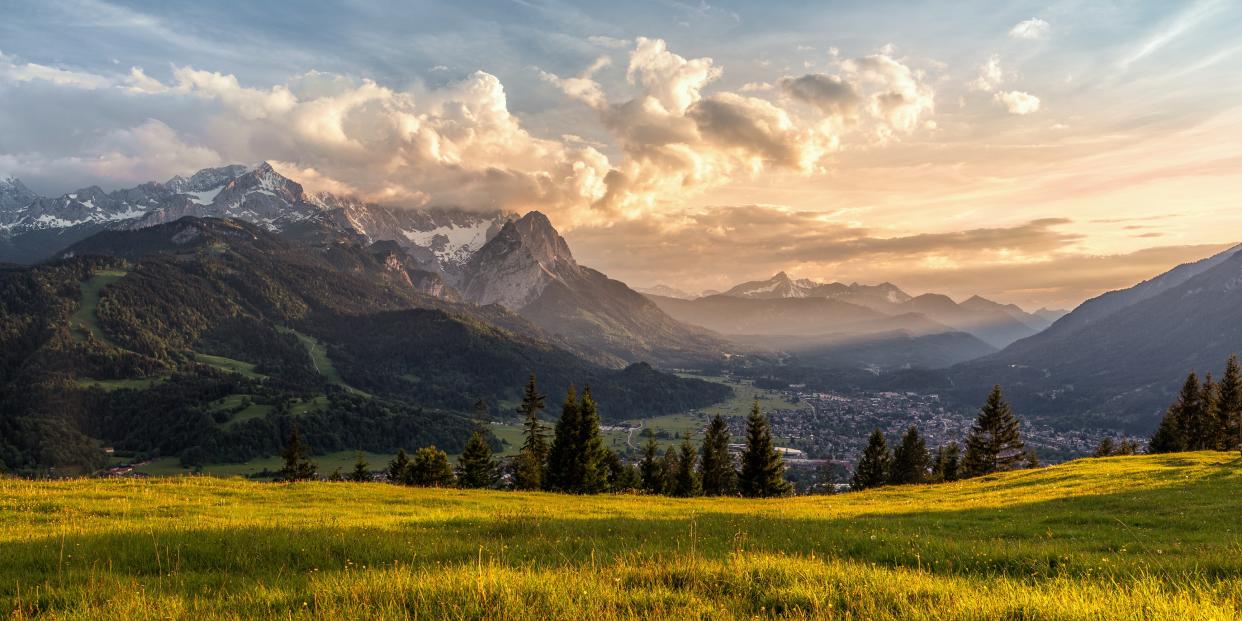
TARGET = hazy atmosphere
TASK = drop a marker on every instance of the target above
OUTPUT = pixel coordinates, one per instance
(1037, 153)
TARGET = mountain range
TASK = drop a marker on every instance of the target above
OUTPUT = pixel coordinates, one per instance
(207, 339)
(837, 324)
(481, 258)
(1118, 359)
(421, 306)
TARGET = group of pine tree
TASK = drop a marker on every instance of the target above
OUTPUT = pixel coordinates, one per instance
(994, 445)
(575, 460)
(1207, 415)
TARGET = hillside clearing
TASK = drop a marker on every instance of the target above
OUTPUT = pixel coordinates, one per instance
(1129, 537)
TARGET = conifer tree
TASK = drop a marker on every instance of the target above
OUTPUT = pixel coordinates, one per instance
(651, 469)
(562, 456)
(431, 468)
(532, 460)
(763, 472)
(994, 443)
(1188, 412)
(669, 465)
(592, 453)
(687, 475)
(297, 467)
(361, 472)
(910, 460)
(874, 465)
(477, 468)
(399, 468)
(1207, 428)
(716, 467)
(1105, 448)
(948, 463)
(337, 476)
(1230, 406)
(1168, 437)
(1032, 459)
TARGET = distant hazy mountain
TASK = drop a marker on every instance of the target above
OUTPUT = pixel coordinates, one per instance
(666, 291)
(782, 286)
(1118, 359)
(529, 269)
(784, 306)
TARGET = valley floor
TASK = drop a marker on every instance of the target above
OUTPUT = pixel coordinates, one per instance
(1126, 538)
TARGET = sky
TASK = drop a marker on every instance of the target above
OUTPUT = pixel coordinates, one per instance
(1032, 152)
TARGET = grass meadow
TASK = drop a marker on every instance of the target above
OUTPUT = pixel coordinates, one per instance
(1146, 537)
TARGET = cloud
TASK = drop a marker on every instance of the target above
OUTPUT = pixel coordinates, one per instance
(990, 75)
(609, 42)
(1018, 102)
(1031, 30)
(459, 144)
(1034, 263)
(902, 98)
(831, 94)
(14, 71)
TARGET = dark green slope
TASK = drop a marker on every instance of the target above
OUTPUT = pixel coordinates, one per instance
(195, 319)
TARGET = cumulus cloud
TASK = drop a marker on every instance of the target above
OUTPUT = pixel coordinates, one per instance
(1018, 102)
(676, 136)
(901, 100)
(990, 75)
(829, 93)
(1031, 29)
(459, 144)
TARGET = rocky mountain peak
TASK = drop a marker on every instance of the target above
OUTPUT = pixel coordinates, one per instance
(14, 194)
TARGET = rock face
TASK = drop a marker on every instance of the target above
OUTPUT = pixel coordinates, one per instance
(528, 268)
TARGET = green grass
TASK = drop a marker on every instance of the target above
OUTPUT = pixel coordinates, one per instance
(118, 384)
(692, 423)
(1149, 537)
(171, 466)
(323, 364)
(83, 321)
(229, 364)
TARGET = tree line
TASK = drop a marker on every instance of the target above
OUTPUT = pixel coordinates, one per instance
(574, 459)
(1207, 415)
(993, 445)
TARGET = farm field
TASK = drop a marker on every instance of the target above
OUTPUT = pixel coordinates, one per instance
(1151, 537)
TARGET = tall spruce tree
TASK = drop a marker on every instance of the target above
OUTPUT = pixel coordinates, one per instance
(561, 474)
(531, 462)
(1230, 406)
(1168, 437)
(1207, 430)
(297, 467)
(994, 443)
(1189, 412)
(431, 468)
(874, 465)
(948, 463)
(477, 469)
(669, 465)
(910, 460)
(763, 472)
(688, 483)
(362, 470)
(716, 468)
(592, 456)
(651, 468)
(399, 469)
